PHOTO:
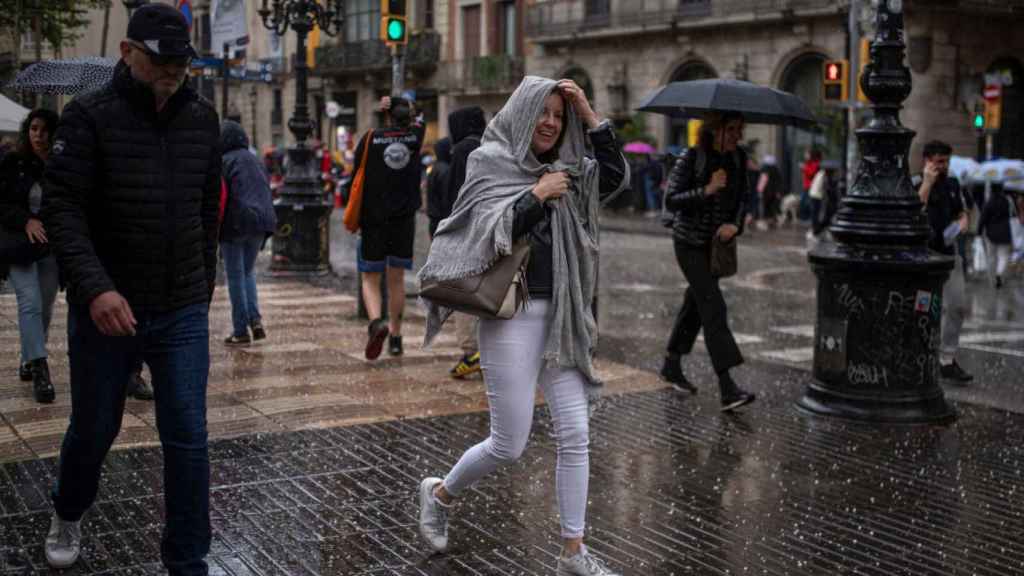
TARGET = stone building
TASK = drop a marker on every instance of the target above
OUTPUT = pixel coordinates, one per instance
(621, 50)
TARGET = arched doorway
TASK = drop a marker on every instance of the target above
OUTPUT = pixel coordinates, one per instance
(803, 77)
(582, 79)
(676, 128)
(1009, 141)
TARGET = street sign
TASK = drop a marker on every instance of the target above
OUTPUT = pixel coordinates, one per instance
(332, 109)
(207, 62)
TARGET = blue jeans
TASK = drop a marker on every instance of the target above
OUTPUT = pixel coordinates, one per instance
(176, 347)
(35, 286)
(239, 263)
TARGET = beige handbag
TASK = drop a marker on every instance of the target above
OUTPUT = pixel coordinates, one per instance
(497, 293)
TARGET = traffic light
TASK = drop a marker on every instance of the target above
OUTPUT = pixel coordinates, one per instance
(836, 81)
(393, 27)
(979, 115)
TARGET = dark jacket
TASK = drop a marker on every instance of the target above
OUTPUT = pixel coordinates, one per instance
(391, 185)
(466, 126)
(995, 219)
(697, 217)
(18, 173)
(249, 210)
(131, 195)
(437, 183)
(533, 217)
(945, 205)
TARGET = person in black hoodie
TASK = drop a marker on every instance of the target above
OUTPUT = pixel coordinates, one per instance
(391, 197)
(437, 184)
(707, 191)
(249, 220)
(995, 225)
(466, 126)
(35, 283)
(130, 203)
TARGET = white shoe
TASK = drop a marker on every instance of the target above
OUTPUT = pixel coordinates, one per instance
(583, 564)
(433, 516)
(63, 542)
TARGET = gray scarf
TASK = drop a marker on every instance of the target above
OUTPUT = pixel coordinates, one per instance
(479, 230)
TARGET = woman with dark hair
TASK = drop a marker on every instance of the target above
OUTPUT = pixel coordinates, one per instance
(706, 191)
(35, 283)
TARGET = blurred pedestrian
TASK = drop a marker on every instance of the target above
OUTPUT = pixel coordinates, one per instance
(808, 168)
(467, 126)
(706, 191)
(995, 226)
(130, 206)
(947, 217)
(36, 280)
(530, 179)
(824, 195)
(249, 220)
(387, 218)
(437, 183)
(769, 188)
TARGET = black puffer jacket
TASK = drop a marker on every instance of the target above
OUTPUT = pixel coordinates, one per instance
(697, 216)
(131, 194)
(18, 173)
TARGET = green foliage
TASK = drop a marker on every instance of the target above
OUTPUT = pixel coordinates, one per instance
(635, 129)
(60, 21)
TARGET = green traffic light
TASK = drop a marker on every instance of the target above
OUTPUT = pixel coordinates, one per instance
(396, 30)
(979, 121)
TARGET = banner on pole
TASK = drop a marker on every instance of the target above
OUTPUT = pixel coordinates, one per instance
(228, 24)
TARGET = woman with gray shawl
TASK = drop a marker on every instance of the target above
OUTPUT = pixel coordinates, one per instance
(530, 178)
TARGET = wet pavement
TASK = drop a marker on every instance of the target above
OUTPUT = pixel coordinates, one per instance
(317, 453)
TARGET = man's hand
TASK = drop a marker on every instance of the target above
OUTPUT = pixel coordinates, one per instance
(35, 231)
(551, 186)
(963, 221)
(726, 232)
(385, 103)
(112, 314)
(931, 174)
(719, 180)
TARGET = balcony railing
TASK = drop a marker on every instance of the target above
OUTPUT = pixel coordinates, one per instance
(422, 53)
(495, 74)
(564, 17)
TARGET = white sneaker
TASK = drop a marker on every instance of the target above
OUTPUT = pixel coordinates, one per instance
(583, 564)
(433, 516)
(63, 542)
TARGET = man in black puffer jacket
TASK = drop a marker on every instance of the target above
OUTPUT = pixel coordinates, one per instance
(130, 203)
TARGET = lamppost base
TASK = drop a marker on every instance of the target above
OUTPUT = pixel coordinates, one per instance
(877, 335)
(300, 244)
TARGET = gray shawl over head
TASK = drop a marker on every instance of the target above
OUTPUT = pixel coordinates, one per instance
(479, 230)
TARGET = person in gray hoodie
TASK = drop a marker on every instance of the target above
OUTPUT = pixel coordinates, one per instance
(249, 220)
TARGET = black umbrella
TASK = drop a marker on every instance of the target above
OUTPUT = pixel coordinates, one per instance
(758, 104)
(68, 76)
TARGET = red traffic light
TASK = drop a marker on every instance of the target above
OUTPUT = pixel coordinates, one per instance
(833, 72)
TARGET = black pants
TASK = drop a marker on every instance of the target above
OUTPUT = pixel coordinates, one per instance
(704, 307)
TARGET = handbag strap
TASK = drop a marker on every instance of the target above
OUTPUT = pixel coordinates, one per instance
(366, 152)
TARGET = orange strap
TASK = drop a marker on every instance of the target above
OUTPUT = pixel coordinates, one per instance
(355, 194)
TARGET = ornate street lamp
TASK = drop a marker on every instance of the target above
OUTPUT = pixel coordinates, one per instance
(301, 241)
(877, 334)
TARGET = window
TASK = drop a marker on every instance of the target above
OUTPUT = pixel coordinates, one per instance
(362, 20)
(471, 31)
(507, 15)
(428, 14)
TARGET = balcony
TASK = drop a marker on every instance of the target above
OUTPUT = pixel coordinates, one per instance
(497, 74)
(422, 55)
(559, 20)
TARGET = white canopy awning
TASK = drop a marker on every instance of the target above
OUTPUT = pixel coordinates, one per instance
(11, 114)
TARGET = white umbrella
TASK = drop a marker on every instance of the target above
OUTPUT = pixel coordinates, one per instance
(1000, 171)
(962, 167)
(11, 114)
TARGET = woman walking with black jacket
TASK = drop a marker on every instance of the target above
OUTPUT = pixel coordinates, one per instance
(995, 225)
(706, 192)
(35, 283)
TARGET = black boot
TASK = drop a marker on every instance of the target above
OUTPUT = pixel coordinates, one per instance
(42, 387)
(25, 371)
(732, 395)
(673, 374)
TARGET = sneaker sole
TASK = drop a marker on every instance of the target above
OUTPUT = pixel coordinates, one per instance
(376, 343)
(61, 565)
(426, 487)
(734, 405)
(237, 344)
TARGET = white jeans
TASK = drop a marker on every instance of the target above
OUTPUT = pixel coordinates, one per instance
(1002, 252)
(511, 357)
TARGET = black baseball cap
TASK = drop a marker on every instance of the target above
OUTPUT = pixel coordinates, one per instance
(162, 30)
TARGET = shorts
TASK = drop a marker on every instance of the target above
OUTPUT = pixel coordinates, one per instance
(388, 246)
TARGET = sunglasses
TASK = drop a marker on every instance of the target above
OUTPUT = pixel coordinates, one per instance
(164, 59)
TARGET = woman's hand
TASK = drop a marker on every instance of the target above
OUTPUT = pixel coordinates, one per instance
(35, 231)
(551, 186)
(578, 98)
(719, 180)
(726, 232)
(385, 103)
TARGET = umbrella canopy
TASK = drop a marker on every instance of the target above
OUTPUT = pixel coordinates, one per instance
(11, 114)
(962, 167)
(638, 147)
(1001, 171)
(758, 104)
(68, 76)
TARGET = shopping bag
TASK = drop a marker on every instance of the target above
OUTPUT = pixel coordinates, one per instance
(979, 258)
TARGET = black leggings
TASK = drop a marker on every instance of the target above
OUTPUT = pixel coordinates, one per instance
(704, 307)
